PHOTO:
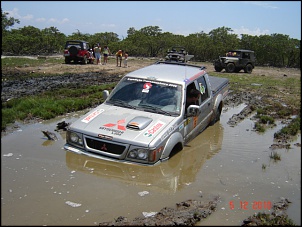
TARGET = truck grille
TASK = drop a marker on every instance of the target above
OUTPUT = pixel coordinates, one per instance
(106, 147)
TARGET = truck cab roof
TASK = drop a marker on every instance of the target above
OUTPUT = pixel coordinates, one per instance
(179, 73)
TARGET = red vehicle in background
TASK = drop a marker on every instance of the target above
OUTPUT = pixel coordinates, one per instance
(78, 51)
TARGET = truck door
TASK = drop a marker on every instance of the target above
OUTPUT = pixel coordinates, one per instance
(193, 125)
(206, 104)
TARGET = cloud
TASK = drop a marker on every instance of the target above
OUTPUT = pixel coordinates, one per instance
(266, 5)
(255, 32)
(57, 21)
(40, 19)
(28, 17)
(13, 13)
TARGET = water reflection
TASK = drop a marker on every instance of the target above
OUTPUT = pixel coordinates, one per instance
(171, 176)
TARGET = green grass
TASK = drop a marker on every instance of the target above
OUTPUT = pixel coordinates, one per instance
(28, 62)
(264, 219)
(275, 156)
(289, 130)
(52, 103)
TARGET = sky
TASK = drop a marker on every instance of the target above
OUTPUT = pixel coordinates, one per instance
(178, 17)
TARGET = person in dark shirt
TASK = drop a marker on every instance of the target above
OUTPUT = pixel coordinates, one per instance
(193, 96)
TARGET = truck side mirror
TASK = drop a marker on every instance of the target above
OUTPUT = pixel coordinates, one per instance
(105, 94)
(193, 111)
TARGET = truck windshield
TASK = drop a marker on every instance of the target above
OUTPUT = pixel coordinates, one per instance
(148, 95)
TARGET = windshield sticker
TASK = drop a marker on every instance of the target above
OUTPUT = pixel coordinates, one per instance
(92, 115)
(152, 82)
(152, 130)
(202, 88)
(115, 129)
(147, 87)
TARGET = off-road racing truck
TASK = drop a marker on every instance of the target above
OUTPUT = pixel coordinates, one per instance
(144, 120)
(178, 54)
(78, 51)
(236, 60)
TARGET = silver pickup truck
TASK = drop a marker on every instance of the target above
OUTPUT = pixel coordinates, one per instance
(144, 119)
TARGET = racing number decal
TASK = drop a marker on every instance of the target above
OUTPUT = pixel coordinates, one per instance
(195, 119)
(147, 87)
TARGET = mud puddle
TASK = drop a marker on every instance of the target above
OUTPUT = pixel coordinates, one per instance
(42, 184)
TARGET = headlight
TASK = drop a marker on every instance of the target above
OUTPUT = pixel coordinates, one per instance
(74, 138)
(139, 153)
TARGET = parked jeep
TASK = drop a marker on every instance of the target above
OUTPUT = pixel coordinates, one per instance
(236, 60)
(178, 54)
(78, 51)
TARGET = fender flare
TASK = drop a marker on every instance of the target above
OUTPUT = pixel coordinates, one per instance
(216, 105)
(174, 139)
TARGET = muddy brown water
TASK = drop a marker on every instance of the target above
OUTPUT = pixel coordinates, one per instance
(42, 184)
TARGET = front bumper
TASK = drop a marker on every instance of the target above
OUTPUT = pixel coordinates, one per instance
(89, 154)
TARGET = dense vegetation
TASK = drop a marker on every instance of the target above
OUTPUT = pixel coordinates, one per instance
(275, 50)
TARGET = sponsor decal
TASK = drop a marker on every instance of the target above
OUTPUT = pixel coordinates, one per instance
(147, 86)
(115, 129)
(202, 88)
(187, 121)
(92, 115)
(187, 80)
(195, 119)
(168, 132)
(152, 130)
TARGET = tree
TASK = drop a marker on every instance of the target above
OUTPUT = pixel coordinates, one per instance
(223, 41)
(7, 22)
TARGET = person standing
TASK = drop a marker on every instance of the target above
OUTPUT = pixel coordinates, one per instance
(119, 57)
(97, 53)
(126, 59)
(106, 53)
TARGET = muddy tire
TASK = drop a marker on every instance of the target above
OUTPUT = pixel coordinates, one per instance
(73, 50)
(248, 68)
(230, 68)
(217, 116)
(218, 69)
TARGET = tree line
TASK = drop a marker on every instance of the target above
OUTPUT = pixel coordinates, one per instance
(276, 50)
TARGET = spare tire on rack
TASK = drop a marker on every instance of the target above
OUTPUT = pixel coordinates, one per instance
(73, 50)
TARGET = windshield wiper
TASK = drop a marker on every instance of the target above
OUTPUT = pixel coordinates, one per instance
(154, 109)
(121, 103)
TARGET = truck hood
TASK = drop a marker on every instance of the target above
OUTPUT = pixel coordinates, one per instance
(121, 124)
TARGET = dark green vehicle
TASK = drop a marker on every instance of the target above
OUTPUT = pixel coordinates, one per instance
(235, 61)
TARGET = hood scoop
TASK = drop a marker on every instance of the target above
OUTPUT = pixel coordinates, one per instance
(139, 123)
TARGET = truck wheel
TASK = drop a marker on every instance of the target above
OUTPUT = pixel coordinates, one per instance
(217, 116)
(218, 69)
(67, 60)
(230, 68)
(248, 68)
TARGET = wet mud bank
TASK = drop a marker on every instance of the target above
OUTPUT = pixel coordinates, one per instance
(186, 213)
